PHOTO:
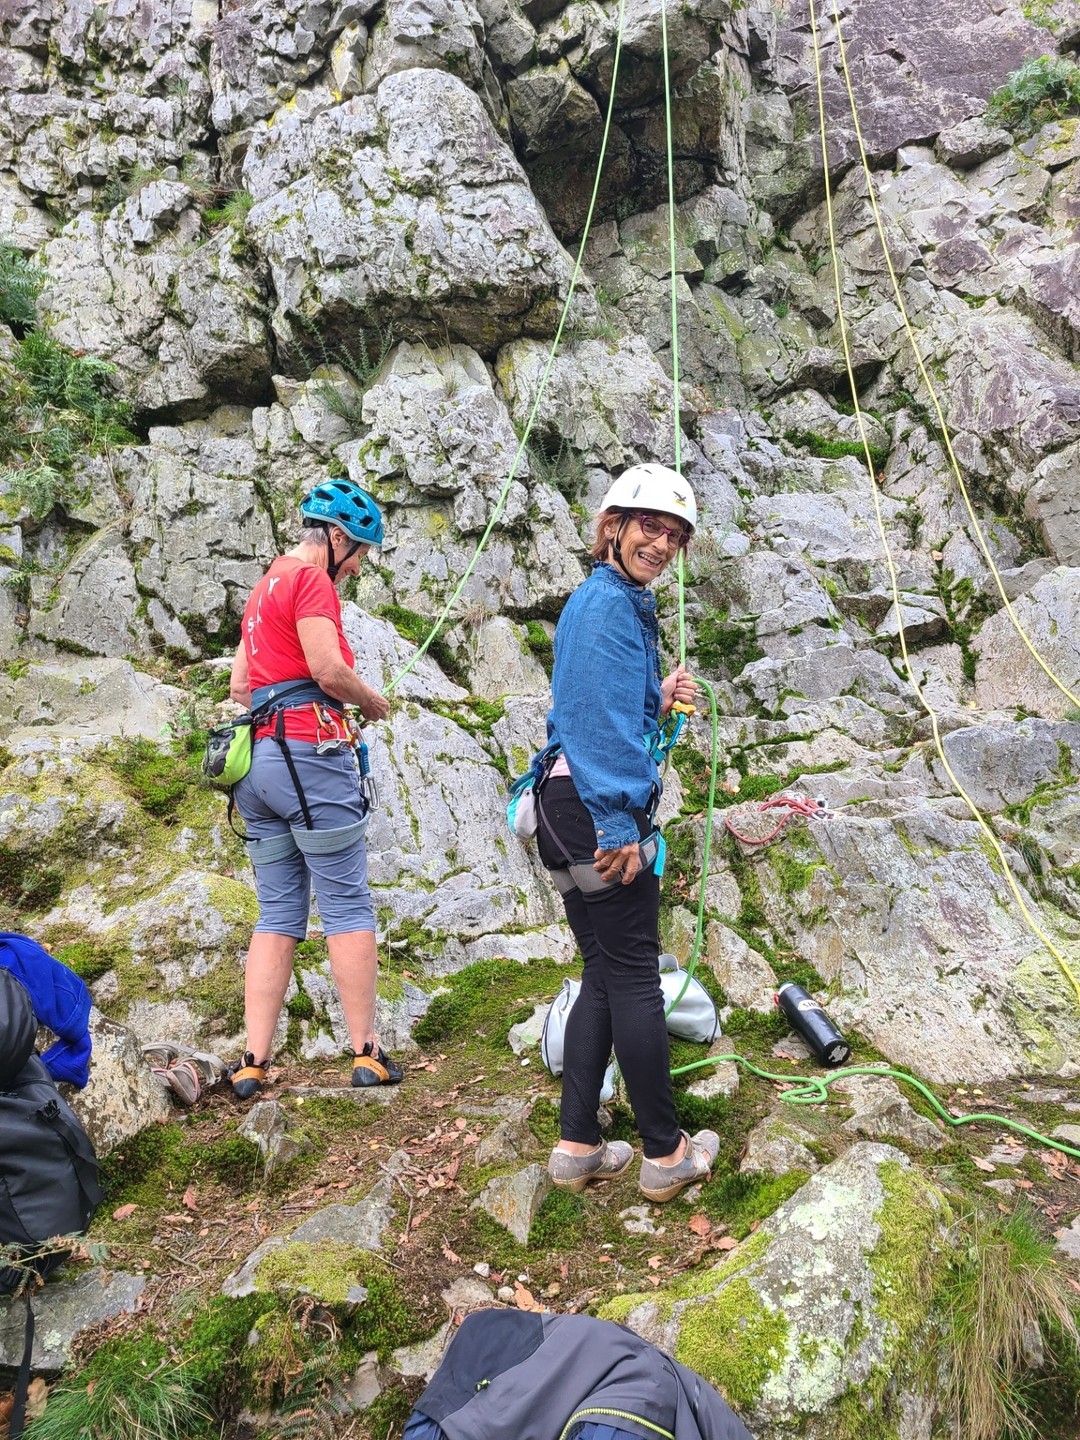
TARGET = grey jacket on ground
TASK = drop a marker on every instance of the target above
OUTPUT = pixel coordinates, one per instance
(509, 1375)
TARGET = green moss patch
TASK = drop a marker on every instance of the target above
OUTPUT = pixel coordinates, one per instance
(484, 1000)
(734, 1340)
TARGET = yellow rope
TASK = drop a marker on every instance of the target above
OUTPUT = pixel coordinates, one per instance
(842, 320)
(931, 391)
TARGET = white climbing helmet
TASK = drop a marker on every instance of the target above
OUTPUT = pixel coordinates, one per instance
(653, 487)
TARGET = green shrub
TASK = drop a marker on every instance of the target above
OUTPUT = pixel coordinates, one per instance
(1045, 88)
(158, 776)
(232, 211)
(19, 285)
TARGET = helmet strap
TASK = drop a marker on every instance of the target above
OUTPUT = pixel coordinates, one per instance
(616, 551)
(333, 566)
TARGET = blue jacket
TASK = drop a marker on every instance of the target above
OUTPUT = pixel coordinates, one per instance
(606, 693)
(60, 1000)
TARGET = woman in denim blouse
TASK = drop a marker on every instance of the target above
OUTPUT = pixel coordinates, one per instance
(596, 836)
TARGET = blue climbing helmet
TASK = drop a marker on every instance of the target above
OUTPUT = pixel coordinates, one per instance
(340, 502)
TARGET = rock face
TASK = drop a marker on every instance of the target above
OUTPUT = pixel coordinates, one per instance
(296, 239)
(836, 1287)
(405, 202)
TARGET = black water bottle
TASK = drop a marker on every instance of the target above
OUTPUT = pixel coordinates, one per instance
(808, 1019)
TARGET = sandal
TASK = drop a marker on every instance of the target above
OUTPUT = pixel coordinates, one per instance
(607, 1162)
(374, 1067)
(247, 1078)
(663, 1182)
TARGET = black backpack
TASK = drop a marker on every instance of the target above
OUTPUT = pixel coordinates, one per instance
(48, 1169)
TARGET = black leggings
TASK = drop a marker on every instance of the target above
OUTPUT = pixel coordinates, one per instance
(620, 1003)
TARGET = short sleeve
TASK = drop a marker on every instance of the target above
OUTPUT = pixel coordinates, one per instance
(314, 595)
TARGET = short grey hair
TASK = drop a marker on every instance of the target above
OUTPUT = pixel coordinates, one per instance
(313, 535)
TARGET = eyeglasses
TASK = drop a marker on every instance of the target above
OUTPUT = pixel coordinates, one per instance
(652, 529)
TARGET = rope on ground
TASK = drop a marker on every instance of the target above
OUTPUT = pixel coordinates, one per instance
(814, 1090)
(977, 815)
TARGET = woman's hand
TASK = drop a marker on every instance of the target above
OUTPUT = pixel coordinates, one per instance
(622, 864)
(373, 706)
(677, 687)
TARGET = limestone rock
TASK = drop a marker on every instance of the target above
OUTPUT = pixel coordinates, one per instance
(513, 1200)
(746, 976)
(66, 1307)
(338, 196)
(183, 323)
(262, 53)
(121, 1097)
(1002, 765)
(85, 697)
(510, 1141)
(1001, 1010)
(809, 1301)
(268, 1125)
(883, 1112)
(777, 1145)
(1008, 675)
(610, 403)
(435, 35)
(970, 142)
(437, 431)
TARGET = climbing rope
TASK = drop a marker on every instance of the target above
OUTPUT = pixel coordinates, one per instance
(789, 806)
(814, 1090)
(504, 491)
(977, 815)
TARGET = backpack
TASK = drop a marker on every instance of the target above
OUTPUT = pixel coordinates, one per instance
(49, 1181)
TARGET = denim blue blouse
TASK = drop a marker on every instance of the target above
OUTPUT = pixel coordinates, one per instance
(606, 693)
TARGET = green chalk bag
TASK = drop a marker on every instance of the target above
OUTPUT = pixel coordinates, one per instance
(227, 758)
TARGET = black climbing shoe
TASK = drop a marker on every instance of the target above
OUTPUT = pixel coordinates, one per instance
(374, 1067)
(247, 1078)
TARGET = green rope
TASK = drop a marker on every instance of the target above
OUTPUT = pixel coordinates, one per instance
(814, 1090)
(500, 502)
(673, 278)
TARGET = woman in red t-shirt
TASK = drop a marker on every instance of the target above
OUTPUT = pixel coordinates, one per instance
(302, 799)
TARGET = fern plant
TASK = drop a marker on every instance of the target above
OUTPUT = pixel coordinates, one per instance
(1045, 88)
(20, 282)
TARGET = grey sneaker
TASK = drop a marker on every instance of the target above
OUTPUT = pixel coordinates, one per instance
(607, 1162)
(663, 1182)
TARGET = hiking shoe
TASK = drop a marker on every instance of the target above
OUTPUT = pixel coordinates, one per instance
(374, 1067)
(247, 1078)
(663, 1182)
(607, 1162)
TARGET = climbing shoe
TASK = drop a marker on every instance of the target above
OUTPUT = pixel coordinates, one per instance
(374, 1067)
(247, 1078)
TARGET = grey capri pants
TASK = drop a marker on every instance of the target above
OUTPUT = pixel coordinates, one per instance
(288, 857)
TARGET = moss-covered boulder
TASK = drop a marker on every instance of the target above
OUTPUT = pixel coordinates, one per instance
(816, 1324)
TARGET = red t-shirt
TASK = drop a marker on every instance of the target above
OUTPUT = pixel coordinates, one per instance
(289, 591)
